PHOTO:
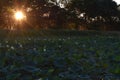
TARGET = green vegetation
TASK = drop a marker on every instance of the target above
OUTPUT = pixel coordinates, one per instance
(35, 55)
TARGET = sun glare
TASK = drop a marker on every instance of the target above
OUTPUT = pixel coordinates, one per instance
(117, 1)
(19, 15)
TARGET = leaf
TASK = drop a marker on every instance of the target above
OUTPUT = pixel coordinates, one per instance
(31, 69)
(50, 71)
(13, 76)
(60, 63)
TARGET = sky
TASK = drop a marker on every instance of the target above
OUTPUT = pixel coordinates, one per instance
(117, 1)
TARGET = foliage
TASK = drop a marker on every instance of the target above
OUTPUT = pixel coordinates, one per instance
(95, 11)
(49, 14)
(35, 56)
(40, 13)
(95, 7)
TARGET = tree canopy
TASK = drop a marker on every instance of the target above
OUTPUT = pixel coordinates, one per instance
(50, 13)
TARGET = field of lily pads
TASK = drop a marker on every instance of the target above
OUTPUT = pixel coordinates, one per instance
(59, 55)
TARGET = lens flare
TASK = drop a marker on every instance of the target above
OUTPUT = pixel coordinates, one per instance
(19, 15)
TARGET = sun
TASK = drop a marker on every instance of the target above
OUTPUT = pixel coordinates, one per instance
(19, 15)
(117, 1)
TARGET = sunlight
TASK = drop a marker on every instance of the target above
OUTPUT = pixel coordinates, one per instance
(117, 1)
(19, 16)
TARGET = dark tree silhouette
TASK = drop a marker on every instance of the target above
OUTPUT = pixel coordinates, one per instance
(46, 14)
(95, 10)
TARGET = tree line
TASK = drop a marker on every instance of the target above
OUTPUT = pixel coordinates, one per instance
(62, 14)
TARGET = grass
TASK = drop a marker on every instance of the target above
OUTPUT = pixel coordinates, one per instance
(59, 55)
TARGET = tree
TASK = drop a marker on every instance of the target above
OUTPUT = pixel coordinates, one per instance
(94, 7)
(94, 10)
